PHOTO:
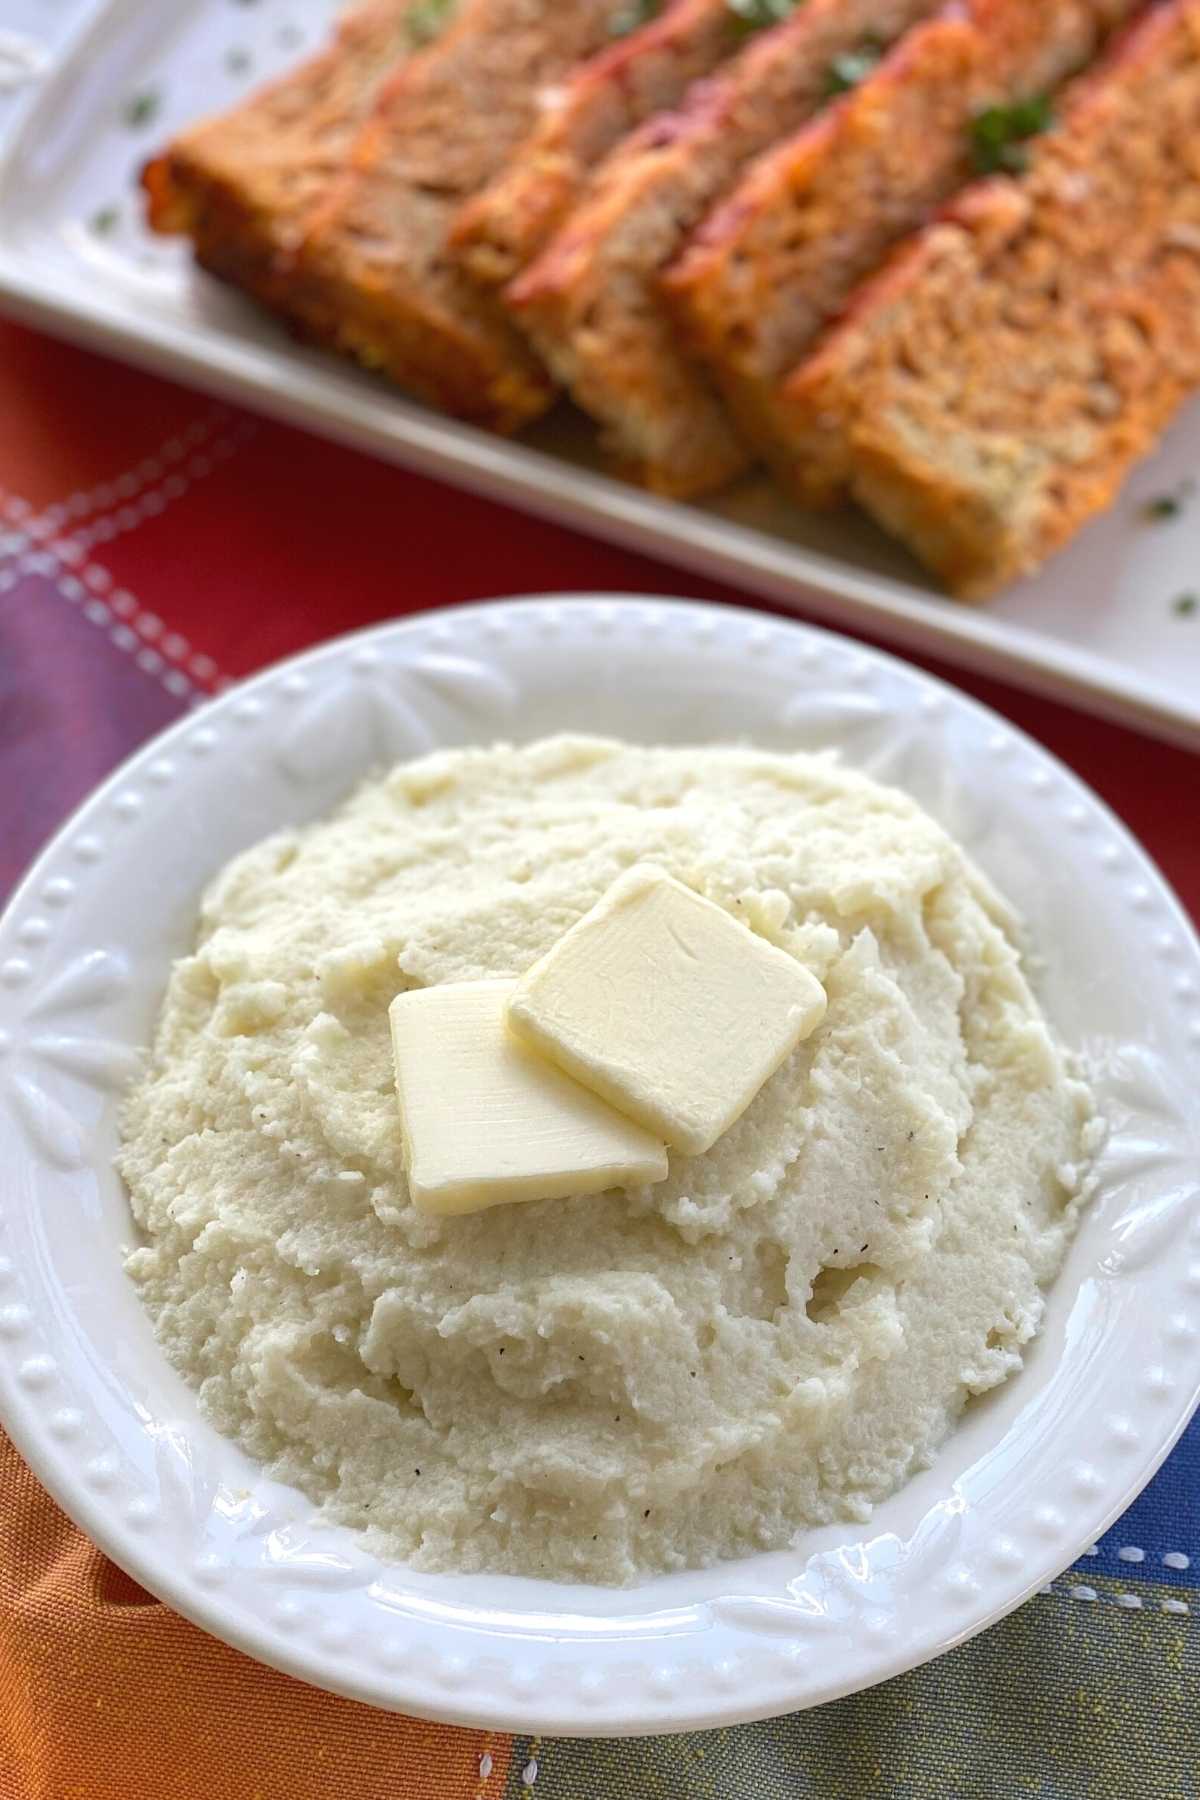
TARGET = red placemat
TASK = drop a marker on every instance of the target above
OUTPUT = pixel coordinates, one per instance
(248, 540)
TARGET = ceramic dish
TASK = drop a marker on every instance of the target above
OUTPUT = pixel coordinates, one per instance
(1112, 625)
(1034, 1473)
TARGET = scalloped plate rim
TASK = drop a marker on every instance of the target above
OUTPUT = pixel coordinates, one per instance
(569, 1716)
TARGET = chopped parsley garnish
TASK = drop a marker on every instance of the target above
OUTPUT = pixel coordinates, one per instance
(753, 15)
(633, 16)
(1186, 606)
(141, 109)
(852, 66)
(999, 134)
(237, 61)
(1168, 506)
(104, 221)
(425, 20)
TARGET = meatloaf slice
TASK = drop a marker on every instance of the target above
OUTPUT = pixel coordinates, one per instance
(591, 300)
(990, 390)
(503, 228)
(375, 274)
(243, 185)
(811, 217)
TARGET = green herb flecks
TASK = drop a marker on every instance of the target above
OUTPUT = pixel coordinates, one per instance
(104, 221)
(1000, 134)
(633, 16)
(755, 15)
(238, 61)
(1186, 606)
(141, 109)
(1168, 506)
(425, 21)
(852, 66)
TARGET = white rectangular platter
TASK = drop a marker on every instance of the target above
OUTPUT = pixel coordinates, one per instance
(1111, 625)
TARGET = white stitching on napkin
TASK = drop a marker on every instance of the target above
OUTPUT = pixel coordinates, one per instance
(93, 591)
(131, 483)
(1128, 1602)
(39, 544)
(153, 502)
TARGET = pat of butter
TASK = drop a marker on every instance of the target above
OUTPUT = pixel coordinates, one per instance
(667, 1007)
(488, 1121)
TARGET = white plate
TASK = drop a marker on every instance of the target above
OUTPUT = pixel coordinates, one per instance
(1096, 628)
(1035, 1472)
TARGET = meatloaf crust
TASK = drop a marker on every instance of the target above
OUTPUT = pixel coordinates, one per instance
(990, 390)
(810, 218)
(243, 185)
(591, 300)
(376, 277)
(504, 227)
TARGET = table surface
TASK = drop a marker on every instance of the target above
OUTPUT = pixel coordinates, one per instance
(155, 546)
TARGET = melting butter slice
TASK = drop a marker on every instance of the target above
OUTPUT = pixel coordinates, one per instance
(488, 1121)
(667, 1007)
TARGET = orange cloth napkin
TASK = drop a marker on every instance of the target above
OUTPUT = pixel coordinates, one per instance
(105, 1694)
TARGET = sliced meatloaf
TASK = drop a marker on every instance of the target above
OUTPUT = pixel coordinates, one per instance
(375, 274)
(503, 228)
(243, 185)
(811, 217)
(591, 300)
(989, 391)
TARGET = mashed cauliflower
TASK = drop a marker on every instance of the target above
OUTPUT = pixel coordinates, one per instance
(597, 1388)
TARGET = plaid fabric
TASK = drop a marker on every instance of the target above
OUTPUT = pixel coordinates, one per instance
(154, 546)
